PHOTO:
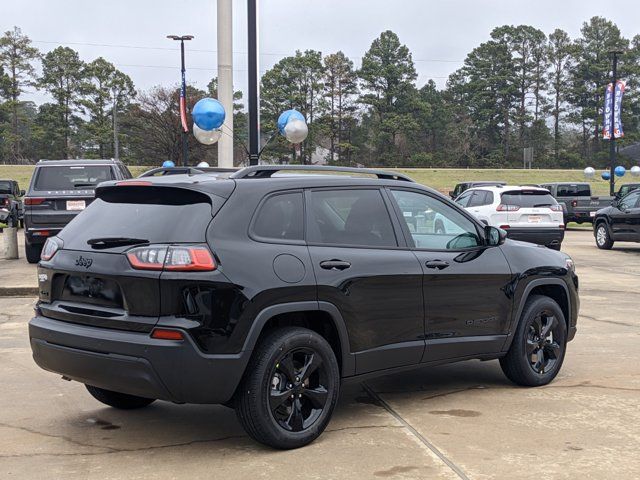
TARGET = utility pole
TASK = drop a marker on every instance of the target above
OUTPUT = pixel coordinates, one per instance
(254, 106)
(612, 140)
(116, 143)
(225, 80)
(183, 98)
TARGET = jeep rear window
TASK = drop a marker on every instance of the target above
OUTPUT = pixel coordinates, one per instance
(71, 177)
(528, 198)
(570, 190)
(163, 215)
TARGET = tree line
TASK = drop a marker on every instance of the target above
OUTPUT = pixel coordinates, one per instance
(520, 88)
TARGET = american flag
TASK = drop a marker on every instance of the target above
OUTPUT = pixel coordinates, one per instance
(183, 105)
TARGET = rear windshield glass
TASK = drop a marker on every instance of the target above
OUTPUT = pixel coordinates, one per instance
(6, 187)
(72, 177)
(528, 199)
(152, 219)
(574, 191)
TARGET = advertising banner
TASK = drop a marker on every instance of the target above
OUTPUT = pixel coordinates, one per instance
(613, 98)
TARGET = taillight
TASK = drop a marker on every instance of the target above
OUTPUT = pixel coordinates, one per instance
(33, 200)
(505, 227)
(134, 183)
(556, 208)
(574, 203)
(507, 208)
(189, 258)
(561, 226)
(51, 246)
(4, 201)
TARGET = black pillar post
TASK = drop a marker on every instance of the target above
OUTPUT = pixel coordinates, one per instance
(185, 146)
(254, 106)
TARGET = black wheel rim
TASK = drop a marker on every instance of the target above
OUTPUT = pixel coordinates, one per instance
(299, 389)
(543, 343)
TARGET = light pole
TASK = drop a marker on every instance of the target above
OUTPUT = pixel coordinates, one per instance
(183, 97)
(254, 107)
(612, 139)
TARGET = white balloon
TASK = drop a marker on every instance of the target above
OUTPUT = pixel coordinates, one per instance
(635, 171)
(296, 130)
(202, 165)
(589, 172)
(207, 137)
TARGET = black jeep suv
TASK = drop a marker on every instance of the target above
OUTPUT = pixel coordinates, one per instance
(263, 291)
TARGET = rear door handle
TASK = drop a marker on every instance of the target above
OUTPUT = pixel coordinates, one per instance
(334, 264)
(439, 264)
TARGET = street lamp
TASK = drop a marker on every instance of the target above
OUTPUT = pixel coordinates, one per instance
(183, 96)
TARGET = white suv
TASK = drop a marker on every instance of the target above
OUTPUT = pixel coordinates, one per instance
(529, 214)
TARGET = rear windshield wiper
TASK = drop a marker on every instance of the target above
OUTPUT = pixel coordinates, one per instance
(108, 242)
(84, 184)
(543, 205)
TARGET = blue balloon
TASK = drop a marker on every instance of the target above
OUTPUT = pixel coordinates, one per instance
(168, 164)
(208, 114)
(606, 175)
(287, 115)
(620, 171)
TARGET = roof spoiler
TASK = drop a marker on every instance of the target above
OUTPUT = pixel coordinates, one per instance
(266, 171)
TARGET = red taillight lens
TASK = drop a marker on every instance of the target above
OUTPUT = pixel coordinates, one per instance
(134, 183)
(574, 203)
(504, 227)
(507, 208)
(167, 334)
(33, 200)
(4, 201)
(51, 246)
(561, 226)
(173, 258)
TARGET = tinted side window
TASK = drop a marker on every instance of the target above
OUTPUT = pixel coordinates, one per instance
(630, 201)
(479, 198)
(463, 200)
(435, 225)
(350, 217)
(281, 217)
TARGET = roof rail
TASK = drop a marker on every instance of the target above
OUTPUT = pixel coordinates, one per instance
(266, 171)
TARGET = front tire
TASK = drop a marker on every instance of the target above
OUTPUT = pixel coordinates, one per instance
(537, 351)
(122, 401)
(290, 388)
(603, 238)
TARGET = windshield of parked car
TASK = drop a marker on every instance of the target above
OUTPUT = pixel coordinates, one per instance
(71, 177)
(528, 198)
(6, 187)
(574, 190)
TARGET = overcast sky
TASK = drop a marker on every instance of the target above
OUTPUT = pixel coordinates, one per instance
(131, 34)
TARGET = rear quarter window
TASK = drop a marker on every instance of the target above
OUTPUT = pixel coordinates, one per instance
(280, 217)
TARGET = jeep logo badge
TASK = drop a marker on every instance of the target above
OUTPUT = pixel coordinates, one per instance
(83, 262)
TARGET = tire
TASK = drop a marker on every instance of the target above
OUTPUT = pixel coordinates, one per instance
(518, 365)
(264, 404)
(32, 252)
(122, 401)
(555, 247)
(603, 237)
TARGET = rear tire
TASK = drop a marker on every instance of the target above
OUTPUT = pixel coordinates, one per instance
(603, 238)
(122, 401)
(537, 351)
(555, 247)
(32, 252)
(290, 388)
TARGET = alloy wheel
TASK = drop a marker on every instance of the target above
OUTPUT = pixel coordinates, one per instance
(299, 389)
(543, 350)
(601, 235)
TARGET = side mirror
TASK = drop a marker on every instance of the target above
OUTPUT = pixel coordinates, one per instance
(615, 203)
(22, 192)
(452, 194)
(495, 236)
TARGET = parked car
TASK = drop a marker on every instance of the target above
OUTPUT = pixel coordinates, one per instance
(11, 205)
(461, 187)
(579, 204)
(59, 190)
(264, 292)
(619, 222)
(527, 213)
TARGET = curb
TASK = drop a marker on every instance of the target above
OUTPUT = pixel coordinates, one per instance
(18, 291)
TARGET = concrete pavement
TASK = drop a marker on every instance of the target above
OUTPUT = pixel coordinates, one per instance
(457, 421)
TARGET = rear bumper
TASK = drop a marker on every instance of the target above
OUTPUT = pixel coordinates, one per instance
(579, 217)
(134, 363)
(540, 236)
(39, 235)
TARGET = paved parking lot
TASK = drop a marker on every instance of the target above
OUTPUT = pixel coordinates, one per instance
(457, 421)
